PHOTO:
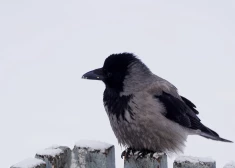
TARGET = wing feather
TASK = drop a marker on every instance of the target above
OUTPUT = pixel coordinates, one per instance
(183, 113)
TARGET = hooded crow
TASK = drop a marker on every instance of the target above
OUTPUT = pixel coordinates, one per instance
(145, 111)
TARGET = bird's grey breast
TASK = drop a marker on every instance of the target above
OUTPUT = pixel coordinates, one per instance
(131, 117)
(122, 116)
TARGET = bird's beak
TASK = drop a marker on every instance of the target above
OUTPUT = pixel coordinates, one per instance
(96, 74)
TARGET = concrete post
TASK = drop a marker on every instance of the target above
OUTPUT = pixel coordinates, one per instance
(193, 162)
(55, 157)
(93, 154)
(30, 163)
(157, 161)
(230, 165)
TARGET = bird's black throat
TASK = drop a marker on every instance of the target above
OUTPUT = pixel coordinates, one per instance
(117, 105)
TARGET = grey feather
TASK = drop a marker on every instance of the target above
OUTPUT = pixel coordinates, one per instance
(149, 127)
(145, 111)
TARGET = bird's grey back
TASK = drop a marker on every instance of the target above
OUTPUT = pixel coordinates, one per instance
(149, 81)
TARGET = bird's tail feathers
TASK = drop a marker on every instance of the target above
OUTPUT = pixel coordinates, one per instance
(205, 135)
(210, 134)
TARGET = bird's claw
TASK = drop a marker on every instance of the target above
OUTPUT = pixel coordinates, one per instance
(126, 153)
(123, 154)
(144, 153)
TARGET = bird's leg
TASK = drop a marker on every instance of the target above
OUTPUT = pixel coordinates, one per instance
(133, 151)
(151, 154)
(126, 153)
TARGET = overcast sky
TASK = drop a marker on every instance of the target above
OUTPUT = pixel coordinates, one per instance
(46, 46)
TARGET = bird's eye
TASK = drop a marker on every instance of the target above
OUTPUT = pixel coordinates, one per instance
(109, 74)
(105, 71)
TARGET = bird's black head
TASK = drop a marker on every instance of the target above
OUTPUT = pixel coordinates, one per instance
(114, 70)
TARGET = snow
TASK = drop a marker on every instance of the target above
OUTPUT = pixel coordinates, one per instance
(193, 159)
(51, 151)
(29, 163)
(230, 165)
(54, 146)
(157, 155)
(93, 145)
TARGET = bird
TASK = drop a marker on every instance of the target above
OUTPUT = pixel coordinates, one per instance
(146, 112)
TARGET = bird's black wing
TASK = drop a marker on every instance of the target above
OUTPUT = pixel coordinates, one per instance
(190, 104)
(182, 112)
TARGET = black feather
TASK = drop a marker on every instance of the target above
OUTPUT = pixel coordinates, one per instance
(116, 68)
(117, 105)
(190, 104)
(182, 113)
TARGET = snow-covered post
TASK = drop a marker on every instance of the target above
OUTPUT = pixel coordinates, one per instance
(193, 162)
(55, 157)
(93, 154)
(30, 163)
(157, 161)
(230, 165)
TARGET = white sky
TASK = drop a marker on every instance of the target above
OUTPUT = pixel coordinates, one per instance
(46, 46)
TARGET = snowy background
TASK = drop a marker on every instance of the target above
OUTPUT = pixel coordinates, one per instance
(46, 46)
